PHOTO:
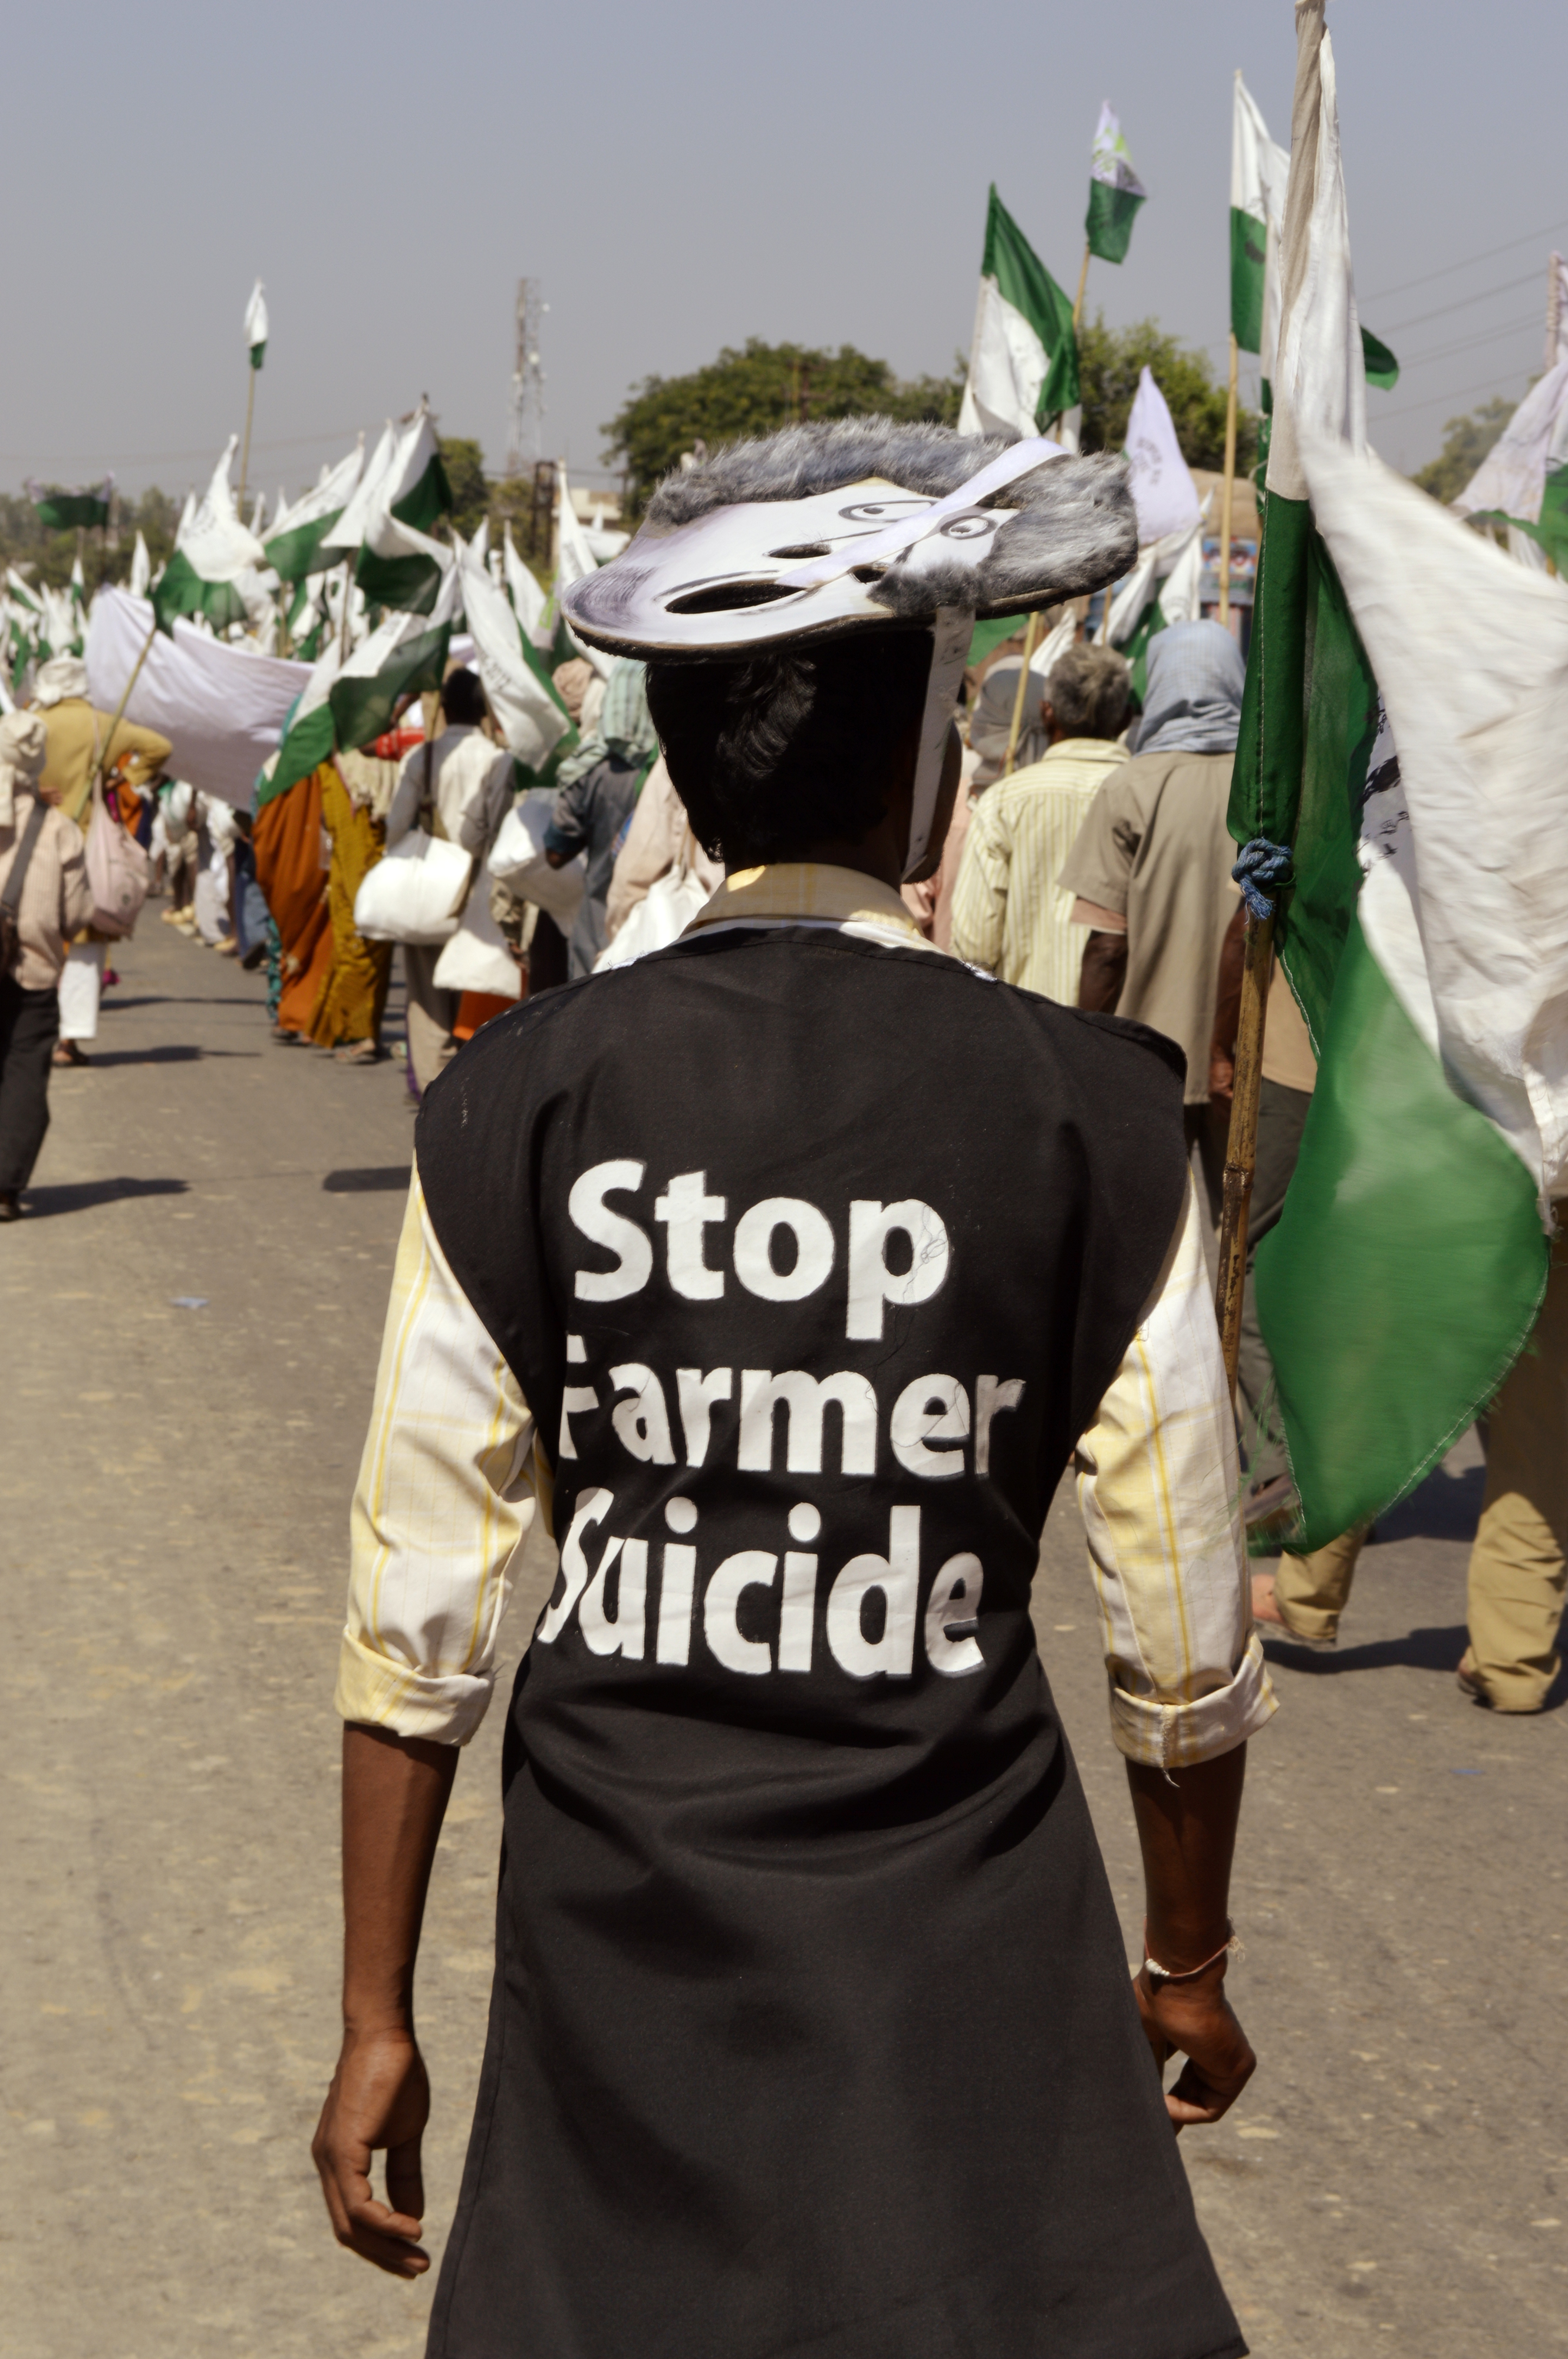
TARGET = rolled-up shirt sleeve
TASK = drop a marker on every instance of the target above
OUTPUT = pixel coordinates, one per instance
(1159, 1487)
(450, 1484)
(979, 896)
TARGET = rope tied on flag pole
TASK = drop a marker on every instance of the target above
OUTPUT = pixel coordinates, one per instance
(1263, 871)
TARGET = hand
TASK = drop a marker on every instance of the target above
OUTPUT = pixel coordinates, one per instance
(1221, 1076)
(380, 2096)
(1196, 2018)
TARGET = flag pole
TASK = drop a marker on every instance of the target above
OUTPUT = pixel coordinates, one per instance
(1241, 1146)
(1030, 636)
(1227, 498)
(120, 708)
(245, 452)
(1083, 282)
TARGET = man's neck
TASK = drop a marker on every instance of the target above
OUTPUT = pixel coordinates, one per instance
(871, 857)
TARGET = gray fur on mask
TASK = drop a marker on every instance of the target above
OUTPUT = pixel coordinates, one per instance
(1076, 528)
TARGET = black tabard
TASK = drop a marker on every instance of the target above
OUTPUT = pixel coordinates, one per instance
(811, 2034)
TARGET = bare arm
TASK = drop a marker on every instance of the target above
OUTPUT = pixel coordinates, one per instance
(1186, 1830)
(1103, 973)
(394, 1797)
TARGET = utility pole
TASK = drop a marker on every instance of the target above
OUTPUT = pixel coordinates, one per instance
(525, 402)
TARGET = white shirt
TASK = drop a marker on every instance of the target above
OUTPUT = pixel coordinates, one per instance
(472, 783)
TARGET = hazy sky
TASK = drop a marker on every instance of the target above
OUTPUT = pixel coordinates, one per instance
(681, 176)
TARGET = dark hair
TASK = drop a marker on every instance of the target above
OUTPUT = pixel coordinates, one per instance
(772, 753)
(1088, 690)
(463, 699)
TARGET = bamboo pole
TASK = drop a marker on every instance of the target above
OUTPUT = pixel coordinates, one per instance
(1083, 282)
(1227, 498)
(343, 619)
(1241, 1147)
(1031, 637)
(104, 765)
(246, 452)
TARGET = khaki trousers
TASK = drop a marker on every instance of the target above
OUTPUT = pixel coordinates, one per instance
(1518, 1566)
(1518, 1563)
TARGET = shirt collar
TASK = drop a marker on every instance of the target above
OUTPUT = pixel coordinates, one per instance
(809, 892)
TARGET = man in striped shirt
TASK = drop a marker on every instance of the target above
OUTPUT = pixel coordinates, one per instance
(1010, 916)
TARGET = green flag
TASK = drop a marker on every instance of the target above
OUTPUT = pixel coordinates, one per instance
(1023, 361)
(309, 739)
(1114, 191)
(63, 511)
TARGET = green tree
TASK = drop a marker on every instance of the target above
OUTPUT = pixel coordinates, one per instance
(50, 556)
(464, 463)
(1111, 360)
(1465, 442)
(753, 391)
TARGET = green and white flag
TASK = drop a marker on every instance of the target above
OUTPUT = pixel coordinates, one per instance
(294, 545)
(1522, 482)
(398, 568)
(416, 491)
(343, 538)
(405, 657)
(1259, 171)
(1023, 360)
(532, 717)
(310, 739)
(255, 326)
(212, 551)
(1114, 191)
(64, 511)
(1406, 1270)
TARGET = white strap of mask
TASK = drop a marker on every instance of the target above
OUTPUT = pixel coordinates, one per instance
(951, 634)
(1020, 460)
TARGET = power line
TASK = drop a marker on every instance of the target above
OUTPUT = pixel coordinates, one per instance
(1471, 343)
(1508, 287)
(1488, 384)
(1450, 267)
(152, 458)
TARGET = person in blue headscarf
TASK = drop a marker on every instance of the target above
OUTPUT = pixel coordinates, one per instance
(1150, 868)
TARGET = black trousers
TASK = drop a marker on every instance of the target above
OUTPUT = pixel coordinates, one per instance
(29, 1027)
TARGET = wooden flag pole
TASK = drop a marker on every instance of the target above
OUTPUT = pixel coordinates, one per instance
(1227, 498)
(1083, 282)
(246, 452)
(104, 763)
(1030, 636)
(1241, 1147)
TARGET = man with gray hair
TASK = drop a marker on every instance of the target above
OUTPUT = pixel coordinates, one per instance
(1010, 916)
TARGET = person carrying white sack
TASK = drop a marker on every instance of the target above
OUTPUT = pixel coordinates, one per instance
(45, 898)
(83, 745)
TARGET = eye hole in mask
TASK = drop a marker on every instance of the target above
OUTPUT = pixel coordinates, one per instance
(726, 597)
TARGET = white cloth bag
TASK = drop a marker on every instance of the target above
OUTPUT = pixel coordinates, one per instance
(415, 893)
(660, 918)
(477, 958)
(517, 861)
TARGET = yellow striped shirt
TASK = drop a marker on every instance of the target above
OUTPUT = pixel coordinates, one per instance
(1010, 914)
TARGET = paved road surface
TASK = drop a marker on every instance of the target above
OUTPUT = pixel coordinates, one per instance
(173, 1492)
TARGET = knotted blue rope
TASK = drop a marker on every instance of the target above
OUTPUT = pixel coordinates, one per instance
(1262, 871)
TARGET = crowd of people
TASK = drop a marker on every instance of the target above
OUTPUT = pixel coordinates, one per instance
(835, 886)
(1097, 873)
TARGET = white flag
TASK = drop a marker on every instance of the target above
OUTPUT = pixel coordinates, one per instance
(1158, 476)
(575, 560)
(255, 326)
(531, 720)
